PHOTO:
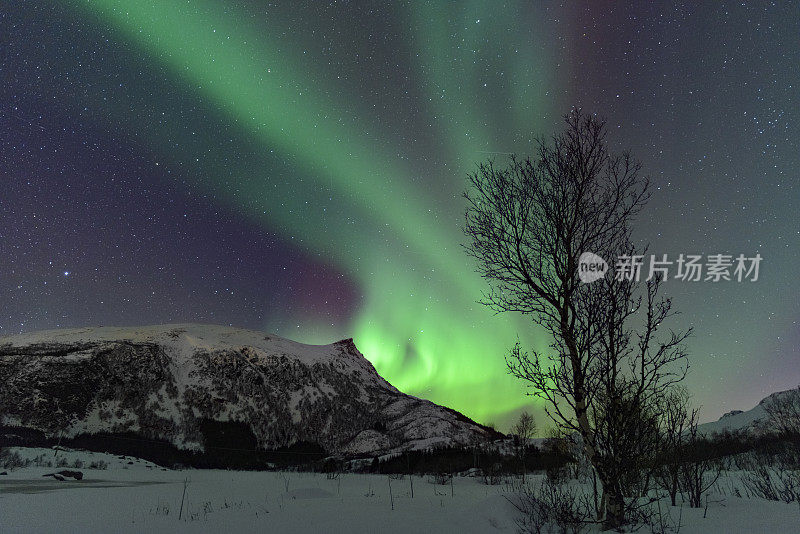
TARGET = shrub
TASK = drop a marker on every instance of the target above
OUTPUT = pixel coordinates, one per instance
(12, 460)
(773, 483)
(440, 478)
(552, 505)
(492, 475)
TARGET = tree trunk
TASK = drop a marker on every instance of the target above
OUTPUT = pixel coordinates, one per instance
(615, 510)
(673, 490)
(582, 416)
(601, 510)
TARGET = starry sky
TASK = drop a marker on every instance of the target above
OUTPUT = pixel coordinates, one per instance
(297, 167)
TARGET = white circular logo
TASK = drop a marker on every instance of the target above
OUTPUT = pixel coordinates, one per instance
(591, 267)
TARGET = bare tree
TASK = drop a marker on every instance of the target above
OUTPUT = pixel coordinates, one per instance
(783, 414)
(699, 469)
(676, 420)
(528, 225)
(775, 474)
(525, 430)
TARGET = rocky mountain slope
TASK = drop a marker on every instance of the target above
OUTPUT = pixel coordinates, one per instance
(178, 383)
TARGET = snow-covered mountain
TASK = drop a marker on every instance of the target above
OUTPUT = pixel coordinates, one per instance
(738, 420)
(171, 382)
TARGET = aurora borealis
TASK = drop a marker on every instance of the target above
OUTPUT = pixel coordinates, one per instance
(297, 167)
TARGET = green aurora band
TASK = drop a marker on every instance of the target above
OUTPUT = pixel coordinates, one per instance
(419, 322)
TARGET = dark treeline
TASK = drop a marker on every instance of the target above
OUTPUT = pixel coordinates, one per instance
(728, 444)
(233, 446)
(459, 460)
(228, 445)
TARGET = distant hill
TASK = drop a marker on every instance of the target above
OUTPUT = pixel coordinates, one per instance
(742, 420)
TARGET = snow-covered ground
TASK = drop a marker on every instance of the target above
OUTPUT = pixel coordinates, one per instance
(136, 496)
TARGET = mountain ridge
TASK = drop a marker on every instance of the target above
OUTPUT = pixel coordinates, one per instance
(743, 420)
(170, 382)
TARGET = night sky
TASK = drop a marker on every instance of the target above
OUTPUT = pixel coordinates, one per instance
(297, 168)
